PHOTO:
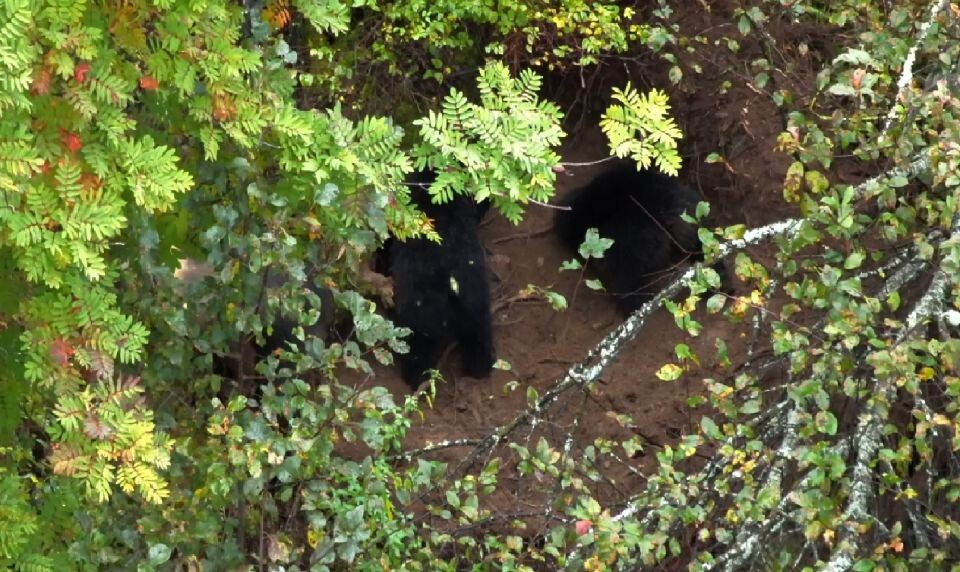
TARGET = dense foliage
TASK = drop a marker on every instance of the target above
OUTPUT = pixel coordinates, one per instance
(138, 431)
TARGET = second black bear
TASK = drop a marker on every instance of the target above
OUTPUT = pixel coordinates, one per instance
(640, 211)
(281, 334)
(441, 290)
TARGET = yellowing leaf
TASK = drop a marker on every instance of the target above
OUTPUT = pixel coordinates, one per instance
(669, 372)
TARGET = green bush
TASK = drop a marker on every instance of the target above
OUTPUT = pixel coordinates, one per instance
(136, 135)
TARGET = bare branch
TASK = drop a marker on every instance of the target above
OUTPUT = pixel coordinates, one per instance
(587, 163)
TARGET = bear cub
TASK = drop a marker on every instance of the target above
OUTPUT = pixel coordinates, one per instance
(441, 291)
(640, 211)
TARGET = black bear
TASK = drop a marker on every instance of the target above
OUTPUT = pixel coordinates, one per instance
(281, 334)
(440, 290)
(640, 211)
(239, 363)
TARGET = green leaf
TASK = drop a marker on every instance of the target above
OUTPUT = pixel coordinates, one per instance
(826, 422)
(593, 245)
(632, 446)
(557, 301)
(855, 57)
(841, 89)
(751, 407)
(675, 75)
(639, 126)
(702, 211)
(593, 284)
(715, 303)
(893, 301)
(353, 519)
(573, 264)
(854, 260)
(898, 181)
(710, 428)
(532, 396)
(159, 553)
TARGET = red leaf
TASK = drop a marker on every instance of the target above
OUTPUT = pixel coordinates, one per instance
(71, 141)
(101, 364)
(131, 382)
(223, 108)
(96, 429)
(90, 182)
(583, 526)
(64, 459)
(857, 79)
(149, 83)
(89, 375)
(61, 352)
(278, 14)
(80, 72)
(41, 82)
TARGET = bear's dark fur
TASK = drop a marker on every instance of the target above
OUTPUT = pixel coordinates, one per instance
(240, 363)
(640, 211)
(281, 335)
(441, 291)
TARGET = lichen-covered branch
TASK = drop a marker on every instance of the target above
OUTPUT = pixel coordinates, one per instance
(408, 456)
(750, 541)
(600, 357)
(902, 276)
(869, 429)
(919, 165)
(906, 75)
(749, 538)
(585, 372)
